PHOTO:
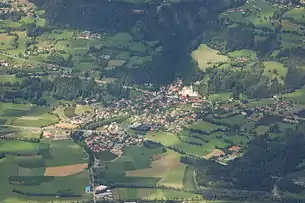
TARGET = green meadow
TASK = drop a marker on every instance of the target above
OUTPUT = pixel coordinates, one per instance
(31, 169)
(207, 57)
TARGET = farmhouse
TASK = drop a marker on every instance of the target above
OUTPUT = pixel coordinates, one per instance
(234, 149)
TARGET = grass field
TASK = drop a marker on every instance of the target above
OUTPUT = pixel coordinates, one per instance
(61, 113)
(166, 166)
(295, 15)
(70, 112)
(291, 40)
(28, 134)
(80, 109)
(6, 41)
(136, 166)
(22, 36)
(233, 120)
(243, 53)
(206, 126)
(207, 57)
(275, 70)
(74, 184)
(15, 146)
(297, 96)
(153, 194)
(26, 115)
(258, 14)
(62, 153)
(65, 152)
(167, 139)
(10, 78)
(224, 96)
(261, 102)
(35, 121)
(175, 178)
(189, 181)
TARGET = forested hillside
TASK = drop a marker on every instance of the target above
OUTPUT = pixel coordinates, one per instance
(178, 27)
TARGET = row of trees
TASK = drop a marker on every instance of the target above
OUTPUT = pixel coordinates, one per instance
(34, 88)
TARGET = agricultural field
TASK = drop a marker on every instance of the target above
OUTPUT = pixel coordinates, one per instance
(222, 96)
(275, 70)
(153, 194)
(10, 78)
(65, 113)
(81, 109)
(167, 139)
(206, 127)
(28, 134)
(60, 112)
(167, 167)
(207, 57)
(15, 146)
(147, 166)
(43, 174)
(297, 96)
(291, 40)
(233, 120)
(257, 12)
(6, 41)
(26, 115)
(35, 121)
(295, 15)
(242, 58)
(65, 152)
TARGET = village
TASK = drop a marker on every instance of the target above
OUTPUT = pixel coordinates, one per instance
(16, 6)
(171, 109)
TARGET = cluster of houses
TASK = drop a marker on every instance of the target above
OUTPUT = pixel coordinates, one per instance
(111, 140)
(100, 191)
(28, 11)
(280, 108)
(6, 63)
(223, 157)
(89, 35)
(163, 109)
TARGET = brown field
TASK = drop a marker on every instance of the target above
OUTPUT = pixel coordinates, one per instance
(65, 170)
(66, 126)
(214, 153)
(4, 37)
